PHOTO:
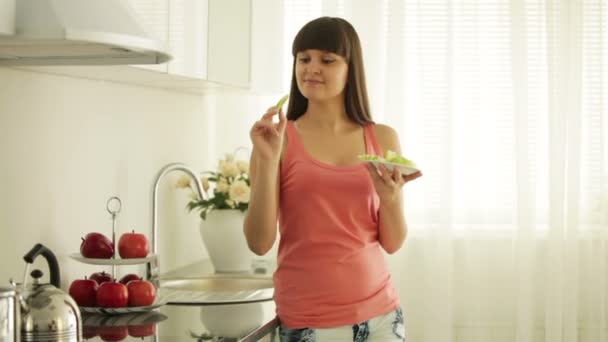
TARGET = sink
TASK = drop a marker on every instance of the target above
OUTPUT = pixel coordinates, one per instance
(217, 289)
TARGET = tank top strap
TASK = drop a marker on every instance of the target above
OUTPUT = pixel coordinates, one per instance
(294, 145)
(371, 143)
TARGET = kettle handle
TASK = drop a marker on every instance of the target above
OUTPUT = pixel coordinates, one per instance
(50, 259)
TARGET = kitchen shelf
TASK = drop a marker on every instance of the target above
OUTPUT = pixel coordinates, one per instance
(133, 261)
(122, 320)
(125, 310)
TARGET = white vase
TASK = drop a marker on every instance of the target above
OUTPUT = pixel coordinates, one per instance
(222, 234)
(232, 321)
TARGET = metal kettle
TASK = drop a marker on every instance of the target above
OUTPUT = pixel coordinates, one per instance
(47, 312)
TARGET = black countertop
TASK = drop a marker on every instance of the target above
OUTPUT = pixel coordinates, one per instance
(175, 322)
(239, 322)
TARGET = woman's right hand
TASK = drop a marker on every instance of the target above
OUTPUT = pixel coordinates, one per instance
(267, 136)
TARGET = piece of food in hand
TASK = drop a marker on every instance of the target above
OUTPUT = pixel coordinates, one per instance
(101, 277)
(389, 157)
(133, 245)
(141, 293)
(281, 102)
(112, 295)
(128, 277)
(96, 246)
(84, 292)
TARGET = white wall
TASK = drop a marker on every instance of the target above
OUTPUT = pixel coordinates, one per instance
(67, 145)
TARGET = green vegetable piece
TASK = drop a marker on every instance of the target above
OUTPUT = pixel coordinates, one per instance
(393, 157)
(389, 156)
(404, 161)
(369, 157)
(281, 102)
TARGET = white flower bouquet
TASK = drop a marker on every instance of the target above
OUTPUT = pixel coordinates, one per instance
(229, 187)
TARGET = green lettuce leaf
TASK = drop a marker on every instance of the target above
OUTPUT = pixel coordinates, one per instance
(390, 157)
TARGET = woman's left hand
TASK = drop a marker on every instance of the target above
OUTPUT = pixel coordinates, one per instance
(388, 184)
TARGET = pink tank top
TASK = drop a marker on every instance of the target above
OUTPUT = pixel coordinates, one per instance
(331, 267)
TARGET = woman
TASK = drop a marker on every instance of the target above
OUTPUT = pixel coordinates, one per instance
(335, 213)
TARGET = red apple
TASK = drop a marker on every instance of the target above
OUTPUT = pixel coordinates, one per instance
(133, 245)
(112, 295)
(142, 330)
(101, 277)
(127, 278)
(84, 292)
(141, 293)
(113, 333)
(96, 245)
(89, 331)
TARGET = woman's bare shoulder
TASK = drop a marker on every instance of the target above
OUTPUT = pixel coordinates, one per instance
(388, 138)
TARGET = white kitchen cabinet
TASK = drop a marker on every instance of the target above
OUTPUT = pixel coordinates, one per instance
(229, 42)
(153, 16)
(245, 44)
(267, 48)
(7, 17)
(212, 39)
(215, 44)
(187, 36)
(182, 26)
(208, 39)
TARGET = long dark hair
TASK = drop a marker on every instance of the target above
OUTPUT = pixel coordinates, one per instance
(338, 36)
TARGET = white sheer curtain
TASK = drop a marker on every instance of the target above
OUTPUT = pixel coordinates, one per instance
(503, 105)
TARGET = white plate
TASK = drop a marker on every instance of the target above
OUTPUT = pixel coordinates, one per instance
(129, 309)
(92, 261)
(405, 170)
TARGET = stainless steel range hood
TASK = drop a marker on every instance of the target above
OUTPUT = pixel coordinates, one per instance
(78, 32)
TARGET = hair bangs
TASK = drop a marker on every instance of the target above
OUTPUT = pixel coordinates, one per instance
(326, 34)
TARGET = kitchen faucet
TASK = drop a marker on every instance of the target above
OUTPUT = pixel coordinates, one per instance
(153, 269)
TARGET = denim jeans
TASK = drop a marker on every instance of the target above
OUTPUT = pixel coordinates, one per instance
(385, 328)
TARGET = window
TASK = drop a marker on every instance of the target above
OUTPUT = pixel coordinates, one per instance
(502, 103)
